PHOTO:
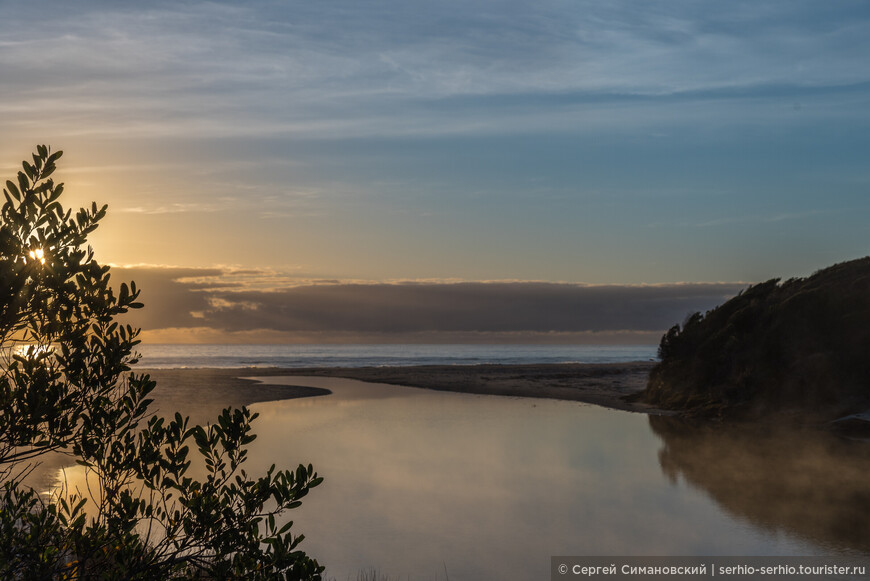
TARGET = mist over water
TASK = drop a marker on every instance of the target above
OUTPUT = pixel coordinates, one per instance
(805, 483)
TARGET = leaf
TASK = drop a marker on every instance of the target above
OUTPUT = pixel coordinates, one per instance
(13, 189)
(199, 437)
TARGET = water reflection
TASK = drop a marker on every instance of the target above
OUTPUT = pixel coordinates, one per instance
(803, 483)
(489, 486)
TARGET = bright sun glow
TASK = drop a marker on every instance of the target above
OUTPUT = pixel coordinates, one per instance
(38, 254)
(33, 351)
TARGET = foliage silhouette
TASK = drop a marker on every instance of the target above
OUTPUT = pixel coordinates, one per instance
(66, 386)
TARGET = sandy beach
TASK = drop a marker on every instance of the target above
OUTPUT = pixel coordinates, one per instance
(202, 393)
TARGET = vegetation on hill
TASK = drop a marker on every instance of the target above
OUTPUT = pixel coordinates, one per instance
(800, 347)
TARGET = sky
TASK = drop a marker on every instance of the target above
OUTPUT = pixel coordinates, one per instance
(382, 163)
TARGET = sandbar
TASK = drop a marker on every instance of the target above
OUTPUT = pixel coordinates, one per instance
(202, 393)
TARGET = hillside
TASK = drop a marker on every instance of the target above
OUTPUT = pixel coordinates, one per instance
(800, 348)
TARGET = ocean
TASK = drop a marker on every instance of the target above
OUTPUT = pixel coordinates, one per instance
(228, 356)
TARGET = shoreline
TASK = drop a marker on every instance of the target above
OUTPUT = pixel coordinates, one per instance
(602, 384)
(202, 393)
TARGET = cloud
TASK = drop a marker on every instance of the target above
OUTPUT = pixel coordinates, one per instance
(369, 128)
(170, 302)
(206, 304)
(766, 219)
(263, 68)
(177, 208)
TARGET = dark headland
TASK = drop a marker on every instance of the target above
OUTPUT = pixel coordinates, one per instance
(798, 349)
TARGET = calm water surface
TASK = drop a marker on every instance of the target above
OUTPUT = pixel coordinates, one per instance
(489, 487)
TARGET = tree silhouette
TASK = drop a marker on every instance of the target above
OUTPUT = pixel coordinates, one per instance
(66, 386)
